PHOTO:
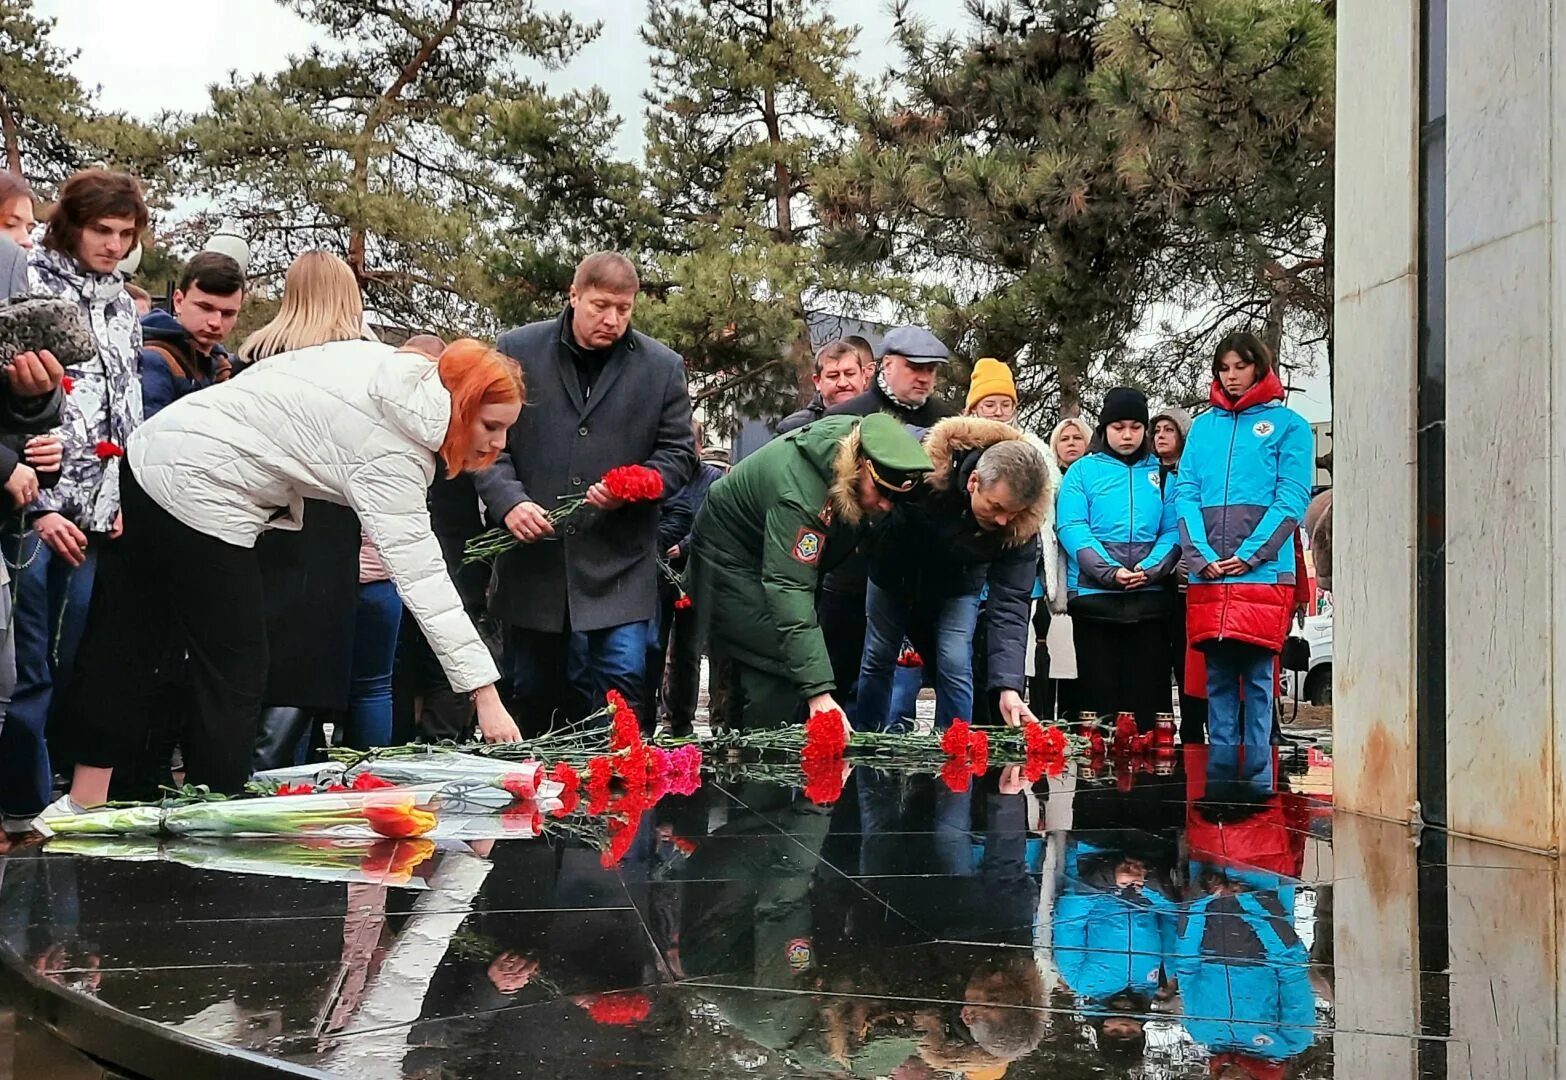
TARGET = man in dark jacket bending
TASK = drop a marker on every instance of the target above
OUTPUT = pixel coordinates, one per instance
(973, 523)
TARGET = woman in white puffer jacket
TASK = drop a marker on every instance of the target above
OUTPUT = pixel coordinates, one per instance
(349, 422)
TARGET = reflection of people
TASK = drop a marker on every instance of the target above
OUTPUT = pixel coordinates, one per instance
(352, 422)
(1112, 930)
(1243, 971)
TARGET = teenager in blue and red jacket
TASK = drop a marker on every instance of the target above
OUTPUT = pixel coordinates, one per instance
(1120, 540)
(1243, 486)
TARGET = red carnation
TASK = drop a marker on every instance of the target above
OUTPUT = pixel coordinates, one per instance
(106, 450)
(978, 752)
(294, 789)
(634, 483)
(369, 782)
(955, 741)
(519, 785)
(565, 776)
(910, 658)
(824, 780)
(825, 736)
(621, 1007)
(956, 775)
(600, 770)
(683, 603)
(67, 383)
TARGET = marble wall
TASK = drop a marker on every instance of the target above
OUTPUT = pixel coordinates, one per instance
(1505, 347)
(1374, 415)
(1506, 548)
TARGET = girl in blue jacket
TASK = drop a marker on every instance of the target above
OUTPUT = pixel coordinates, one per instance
(1242, 490)
(1120, 540)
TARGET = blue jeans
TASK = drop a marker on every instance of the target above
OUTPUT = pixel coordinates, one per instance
(887, 617)
(571, 672)
(1239, 704)
(377, 619)
(50, 614)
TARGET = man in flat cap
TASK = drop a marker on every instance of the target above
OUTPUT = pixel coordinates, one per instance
(911, 358)
(768, 531)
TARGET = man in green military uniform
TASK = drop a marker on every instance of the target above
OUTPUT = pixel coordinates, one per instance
(769, 530)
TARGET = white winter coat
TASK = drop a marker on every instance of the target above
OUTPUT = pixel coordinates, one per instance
(351, 422)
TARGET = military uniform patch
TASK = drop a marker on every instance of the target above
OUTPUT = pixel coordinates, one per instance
(807, 547)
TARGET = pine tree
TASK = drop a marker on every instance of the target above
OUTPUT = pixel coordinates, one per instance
(399, 148)
(49, 123)
(1224, 109)
(749, 100)
(1064, 180)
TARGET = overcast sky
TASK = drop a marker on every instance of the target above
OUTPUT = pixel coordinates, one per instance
(145, 63)
(145, 58)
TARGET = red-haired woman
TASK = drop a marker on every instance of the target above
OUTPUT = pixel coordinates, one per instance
(349, 422)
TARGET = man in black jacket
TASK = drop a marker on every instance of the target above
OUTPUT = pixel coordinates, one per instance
(911, 358)
(904, 386)
(840, 374)
(599, 395)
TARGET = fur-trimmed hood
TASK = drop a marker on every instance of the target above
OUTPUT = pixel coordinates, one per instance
(956, 437)
(845, 480)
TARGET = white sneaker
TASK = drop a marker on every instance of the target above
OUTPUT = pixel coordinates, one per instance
(61, 807)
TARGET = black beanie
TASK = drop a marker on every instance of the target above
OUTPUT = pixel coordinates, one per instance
(1123, 403)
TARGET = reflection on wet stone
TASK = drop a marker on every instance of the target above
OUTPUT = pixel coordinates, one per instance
(1176, 925)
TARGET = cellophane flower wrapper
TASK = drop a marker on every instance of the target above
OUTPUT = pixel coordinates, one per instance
(438, 767)
(352, 862)
(339, 814)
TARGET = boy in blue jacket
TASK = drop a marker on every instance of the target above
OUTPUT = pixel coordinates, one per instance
(183, 352)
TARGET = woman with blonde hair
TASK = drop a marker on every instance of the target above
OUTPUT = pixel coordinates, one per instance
(355, 424)
(312, 575)
(321, 303)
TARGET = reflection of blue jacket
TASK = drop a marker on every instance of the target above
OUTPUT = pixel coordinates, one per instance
(1109, 942)
(1244, 976)
(1112, 515)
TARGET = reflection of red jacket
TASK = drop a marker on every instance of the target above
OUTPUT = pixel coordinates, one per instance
(1256, 1068)
(1273, 840)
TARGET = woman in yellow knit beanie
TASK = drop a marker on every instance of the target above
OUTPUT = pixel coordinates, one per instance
(992, 393)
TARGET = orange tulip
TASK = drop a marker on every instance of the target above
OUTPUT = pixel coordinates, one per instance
(399, 820)
(392, 862)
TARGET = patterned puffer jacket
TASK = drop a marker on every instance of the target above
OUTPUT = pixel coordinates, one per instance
(103, 406)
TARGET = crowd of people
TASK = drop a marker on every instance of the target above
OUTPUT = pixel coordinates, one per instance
(221, 556)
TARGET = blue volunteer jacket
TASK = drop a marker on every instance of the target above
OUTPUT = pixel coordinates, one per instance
(1112, 515)
(1242, 489)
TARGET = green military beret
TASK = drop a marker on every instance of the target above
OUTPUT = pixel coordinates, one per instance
(897, 461)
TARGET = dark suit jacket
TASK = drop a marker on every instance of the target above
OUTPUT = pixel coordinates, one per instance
(599, 570)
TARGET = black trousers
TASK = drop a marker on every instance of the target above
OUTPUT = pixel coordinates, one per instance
(673, 665)
(164, 586)
(1122, 667)
(841, 615)
(1193, 710)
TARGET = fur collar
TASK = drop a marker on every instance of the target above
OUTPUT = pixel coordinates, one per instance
(958, 434)
(845, 480)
